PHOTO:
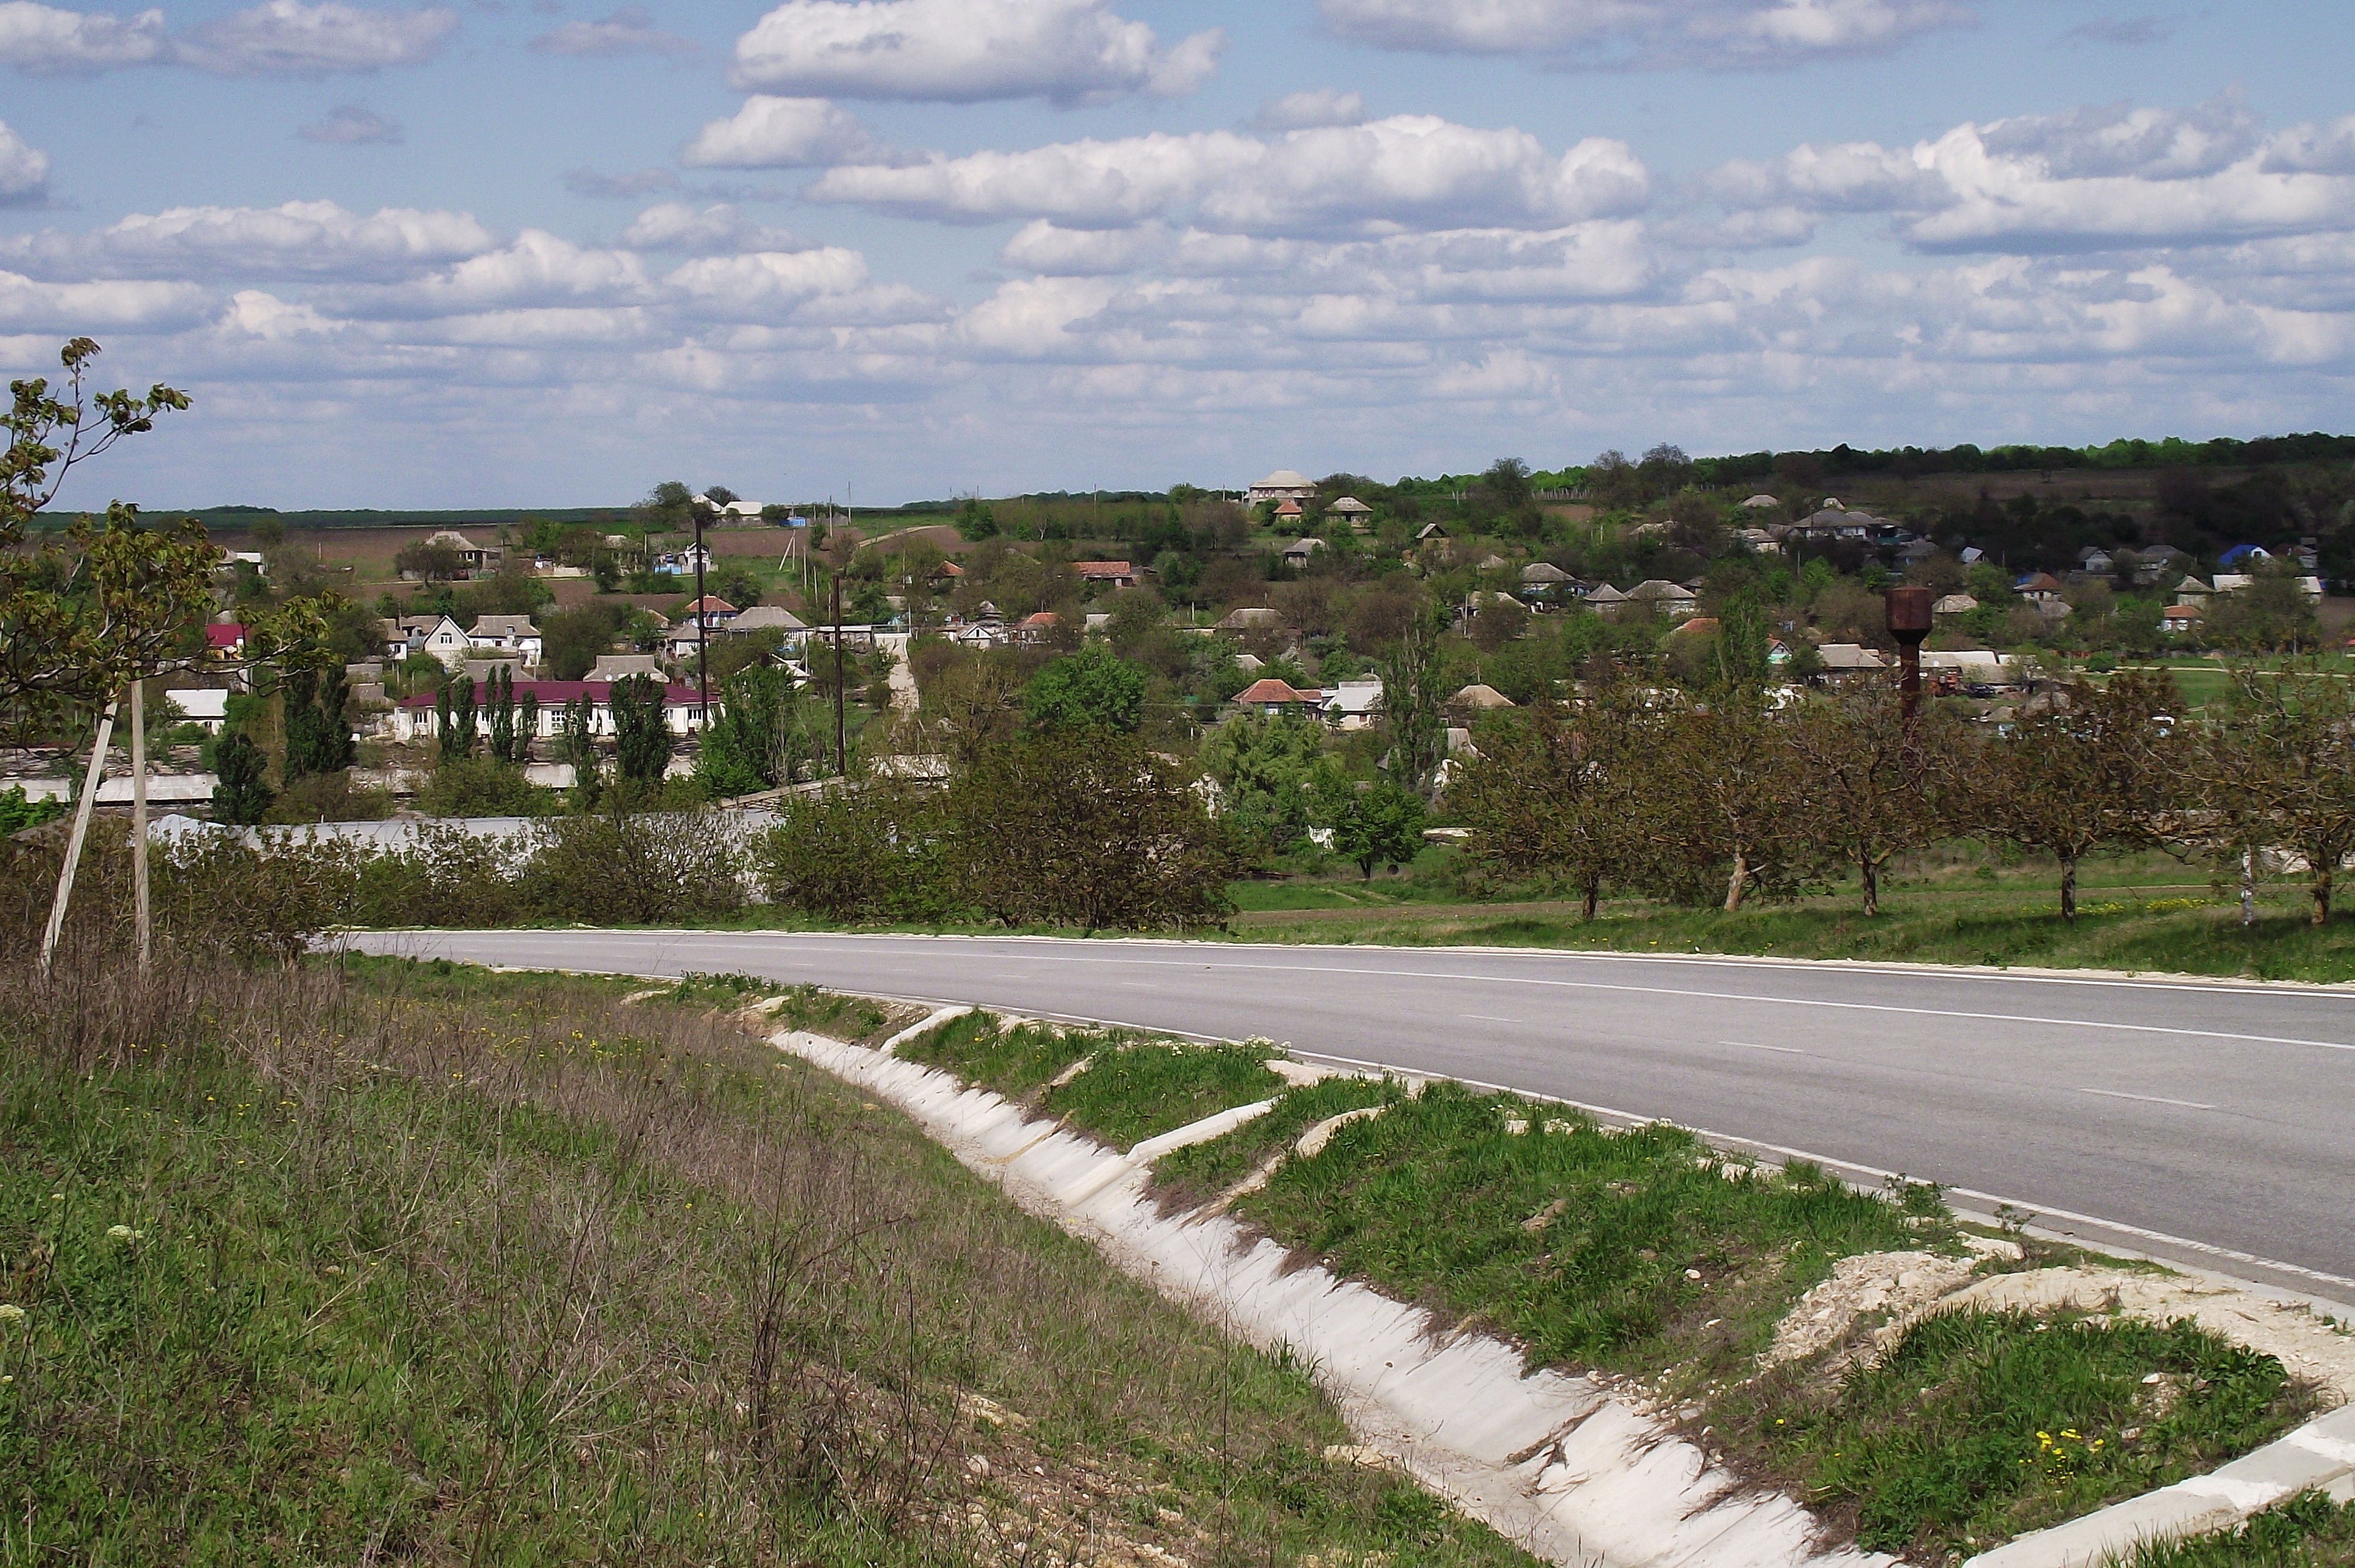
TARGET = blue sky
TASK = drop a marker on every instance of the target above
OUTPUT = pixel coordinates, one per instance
(542, 253)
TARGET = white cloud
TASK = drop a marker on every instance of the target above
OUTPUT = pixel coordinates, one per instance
(24, 170)
(2091, 179)
(1040, 246)
(1643, 34)
(714, 229)
(30, 305)
(286, 38)
(46, 41)
(535, 269)
(300, 239)
(628, 31)
(353, 125)
(766, 284)
(966, 51)
(771, 133)
(1314, 107)
(1405, 171)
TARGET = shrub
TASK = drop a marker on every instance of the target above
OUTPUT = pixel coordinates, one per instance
(640, 867)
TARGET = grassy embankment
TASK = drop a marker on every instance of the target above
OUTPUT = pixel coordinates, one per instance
(2308, 1531)
(1641, 1254)
(2143, 912)
(420, 1263)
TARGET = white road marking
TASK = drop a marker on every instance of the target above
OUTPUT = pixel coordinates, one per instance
(1746, 1045)
(1487, 1018)
(2146, 1099)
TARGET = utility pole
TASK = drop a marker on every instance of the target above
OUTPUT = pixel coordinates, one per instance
(702, 625)
(73, 842)
(841, 683)
(139, 827)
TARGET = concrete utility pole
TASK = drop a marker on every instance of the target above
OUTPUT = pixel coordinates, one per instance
(73, 842)
(1909, 622)
(841, 684)
(139, 827)
(702, 628)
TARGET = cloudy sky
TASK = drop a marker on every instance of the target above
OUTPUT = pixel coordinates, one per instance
(544, 252)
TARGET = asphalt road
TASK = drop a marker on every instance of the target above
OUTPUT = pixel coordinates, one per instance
(2209, 1124)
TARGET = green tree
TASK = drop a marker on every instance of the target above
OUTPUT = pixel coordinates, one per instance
(2276, 769)
(576, 744)
(2090, 770)
(456, 719)
(1868, 783)
(1265, 767)
(1376, 824)
(1093, 688)
(1555, 795)
(1087, 828)
(1415, 700)
(318, 738)
(82, 615)
(642, 741)
(744, 747)
(243, 795)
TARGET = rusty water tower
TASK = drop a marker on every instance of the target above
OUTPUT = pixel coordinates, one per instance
(1910, 620)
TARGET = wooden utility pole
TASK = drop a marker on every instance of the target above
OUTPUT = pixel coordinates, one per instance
(73, 842)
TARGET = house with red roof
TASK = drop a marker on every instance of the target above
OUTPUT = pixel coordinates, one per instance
(225, 640)
(682, 711)
(1273, 696)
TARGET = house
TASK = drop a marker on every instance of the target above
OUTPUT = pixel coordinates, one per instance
(2178, 618)
(232, 559)
(1429, 532)
(1283, 484)
(1833, 521)
(1249, 663)
(1850, 658)
(683, 562)
(2153, 562)
(947, 572)
(1758, 541)
(1478, 699)
(1975, 667)
(1039, 628)
(206, 706)
(473, 558)
(730, 510)
(225, 640)
(1664, 596)
(1105, 573)
(682, 711)
(712, 611)
(1546, 583)
(2039, 587)
(1287, 512)
(2191, 588)
(1954, 604)
(2096, 563)
(1352, 510)
(1257, 618)
(764, 618)
(2233, 582)
(1604, 599)
(1273, 696)
(2244, 556)
(1299, 552)
(513, 634)
(622, 666)
(410, 635)
(1354, 704)
(1762, 501)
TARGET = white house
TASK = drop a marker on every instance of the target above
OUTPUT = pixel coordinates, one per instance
(1283, 484)
(682, 708)
(436, 634)
(513, 634)
(206, 706)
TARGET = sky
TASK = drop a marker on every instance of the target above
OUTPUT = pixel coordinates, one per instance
(543, 253)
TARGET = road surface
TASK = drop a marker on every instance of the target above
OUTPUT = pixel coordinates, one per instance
(2207, 1123)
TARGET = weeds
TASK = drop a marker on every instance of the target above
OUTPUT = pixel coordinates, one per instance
(1130, 1093)
(1976, 1427)
(1187, 1177)
(2308, 1531)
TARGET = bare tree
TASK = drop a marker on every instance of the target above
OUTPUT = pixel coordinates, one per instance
(2277, 770)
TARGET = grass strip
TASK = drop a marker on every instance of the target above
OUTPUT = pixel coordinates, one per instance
(2308, 1531)
(1188, 1177)
(1017, 1060)
(1627, 1250)
(1133, 1092)
(403, 1264)
(1977, 1427)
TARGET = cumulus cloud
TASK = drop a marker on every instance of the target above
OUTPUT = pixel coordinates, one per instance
(299, 239)
(771, 133)
(1643, 34)
(353, 125)
(24, 170)
(28, 304)
(2089, 179)
(43, 41)
(286, 38)
(703, 230)
(1407, 171)
(535, 269)
(628, 31)
(1317, 106)
(966, 51)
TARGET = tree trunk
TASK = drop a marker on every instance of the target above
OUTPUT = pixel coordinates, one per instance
(1871, 870)
(2322, 876)
(1593, 896)
(2068, 888)
(1738, 883)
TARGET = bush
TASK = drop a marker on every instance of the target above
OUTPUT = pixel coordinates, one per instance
(481, 787)
(639, 867)
(17, 814)
(875, 852)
